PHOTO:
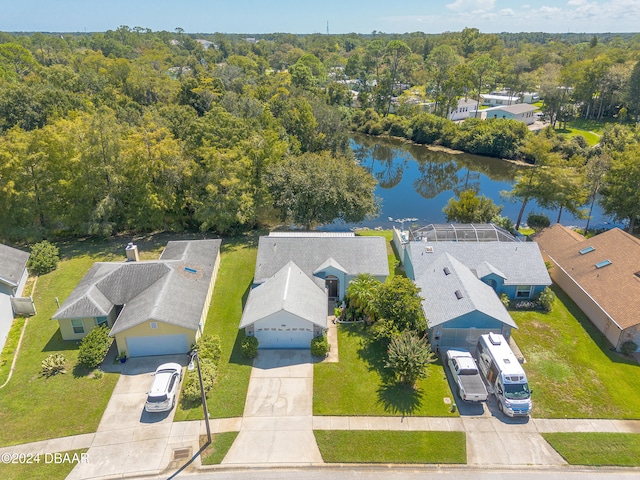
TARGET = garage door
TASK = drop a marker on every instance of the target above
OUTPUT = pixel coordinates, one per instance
(160, 345)
(277, 338)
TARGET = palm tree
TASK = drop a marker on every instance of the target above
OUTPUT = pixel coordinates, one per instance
(361, 292)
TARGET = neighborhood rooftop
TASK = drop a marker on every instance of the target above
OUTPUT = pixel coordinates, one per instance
(183, 272)
(12, 264)
(309, 252)
(519, 263)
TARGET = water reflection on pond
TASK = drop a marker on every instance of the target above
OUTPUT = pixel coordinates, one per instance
(415, 182)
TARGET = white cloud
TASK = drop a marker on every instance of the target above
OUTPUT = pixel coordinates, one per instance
(471, 5)
(576, 2)
(507, 12)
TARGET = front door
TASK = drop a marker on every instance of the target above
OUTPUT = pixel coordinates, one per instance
(331, 283)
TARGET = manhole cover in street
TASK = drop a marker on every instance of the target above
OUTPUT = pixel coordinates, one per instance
(181, 453)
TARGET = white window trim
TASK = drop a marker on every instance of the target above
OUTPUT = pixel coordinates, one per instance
(80, 326)
(521, 289)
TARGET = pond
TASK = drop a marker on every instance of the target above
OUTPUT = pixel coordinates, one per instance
(416, 182)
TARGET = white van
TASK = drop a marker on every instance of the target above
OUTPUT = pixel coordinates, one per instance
(504, 374)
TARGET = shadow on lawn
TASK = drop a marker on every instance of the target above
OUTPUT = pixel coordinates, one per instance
(400, 399)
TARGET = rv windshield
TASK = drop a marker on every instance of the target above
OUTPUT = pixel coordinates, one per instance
(516, 391)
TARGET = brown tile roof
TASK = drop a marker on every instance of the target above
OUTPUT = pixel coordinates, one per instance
(615, 287)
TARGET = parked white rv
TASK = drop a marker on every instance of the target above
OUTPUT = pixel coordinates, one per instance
(504, 374)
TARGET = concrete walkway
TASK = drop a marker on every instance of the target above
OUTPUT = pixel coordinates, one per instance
(277, 425)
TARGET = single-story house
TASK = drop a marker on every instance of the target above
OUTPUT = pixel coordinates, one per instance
(601, 275)
(521, 112)
(462, 271)
(153, 307)
(296, 307)
(287, 310)
(458, 306)
(464, 108)
(13, 277)
(497, 99)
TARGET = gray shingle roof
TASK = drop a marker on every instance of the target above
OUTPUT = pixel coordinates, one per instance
(12, 264)
(519, 263)
(172, 289)
(354, 254)
(290, 290)
(441, 304)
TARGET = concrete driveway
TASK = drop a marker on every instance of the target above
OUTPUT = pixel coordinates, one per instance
(130, 440)
(277, 420)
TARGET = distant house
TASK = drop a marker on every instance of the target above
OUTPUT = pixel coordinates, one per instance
(463, 110)
(530, 97)
(13, 277)
(151, 307)
(296, 273)
(494, 100)
(601, 275)
(522, 112)
(462, 271)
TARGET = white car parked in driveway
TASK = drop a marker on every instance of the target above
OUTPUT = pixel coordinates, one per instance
(162, 396)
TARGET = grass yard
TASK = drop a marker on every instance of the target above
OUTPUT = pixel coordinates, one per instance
(571, 368)
(44, 469)
(220, 445)
(597, 449)
(67, 404)
(227, 398)
(343, 446)
(359, 385)
(591, 137)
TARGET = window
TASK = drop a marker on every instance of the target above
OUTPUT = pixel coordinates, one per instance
(523, 291)
(100, 321)
(153, 325)
(78, 326)
(603, 263)
(586, 250)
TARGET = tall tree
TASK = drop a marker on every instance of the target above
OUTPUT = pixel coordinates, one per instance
(470, 208)
(633, 93)
(317, 188)
(621, 195)
(484, 67)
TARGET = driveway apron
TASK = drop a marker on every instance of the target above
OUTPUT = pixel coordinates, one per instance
(130, 440)
(277, 425)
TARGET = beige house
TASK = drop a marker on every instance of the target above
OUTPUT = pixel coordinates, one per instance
(601, 274)
(151, 307)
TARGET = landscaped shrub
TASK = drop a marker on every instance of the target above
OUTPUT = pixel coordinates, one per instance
(546, 299)
(209, 347)
(250, 347)
(629, 347)
(44, 258)
(506, 301)
(53, 364)
(319, 346)
(191, 387)
(408, 357)
(538, 221)
(94, 347)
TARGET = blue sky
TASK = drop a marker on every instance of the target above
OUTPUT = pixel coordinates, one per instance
(298, 16)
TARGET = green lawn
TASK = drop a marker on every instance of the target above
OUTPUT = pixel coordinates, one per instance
(44, 468)
(67, 404)
(343, 446)
(591, 138)
(571, 368)
(226, 399)
(359, 385)
(597, 449)
(220, 445)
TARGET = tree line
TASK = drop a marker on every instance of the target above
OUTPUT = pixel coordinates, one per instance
(132, 130)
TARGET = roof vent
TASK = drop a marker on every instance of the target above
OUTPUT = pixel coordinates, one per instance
(132, 252)
(428, 249)
(587, 250)
(495, 339)
(446, 271)
(459, 294)
(603, 263)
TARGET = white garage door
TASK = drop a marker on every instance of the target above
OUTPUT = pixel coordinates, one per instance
(160, 345)
(272, 338)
